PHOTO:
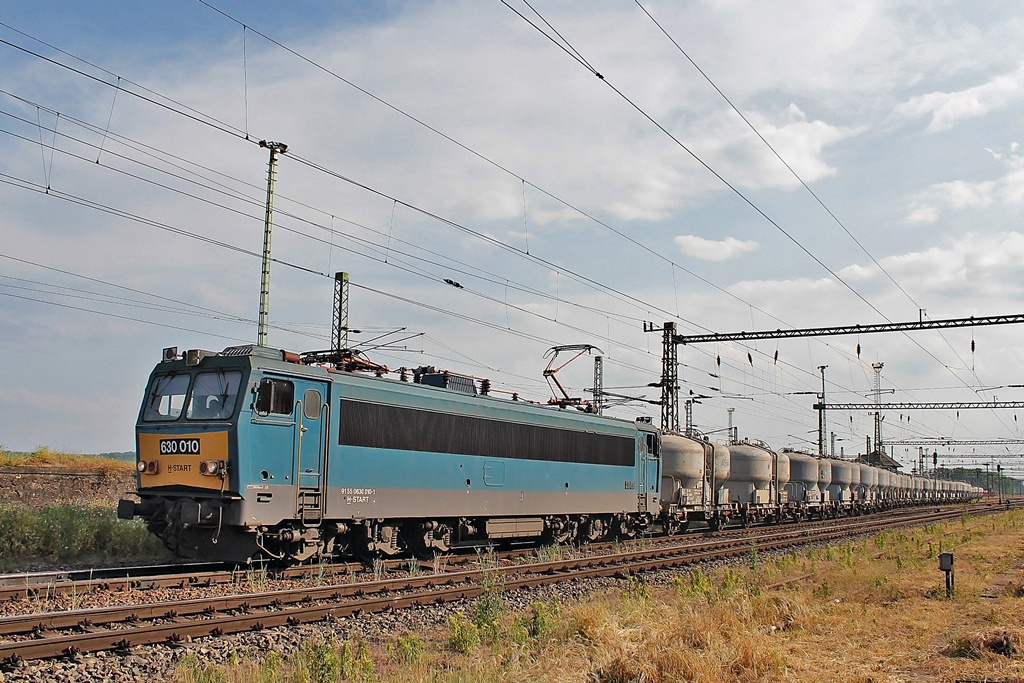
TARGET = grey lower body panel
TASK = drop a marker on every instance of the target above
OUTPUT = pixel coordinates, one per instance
(272, 504)
(476, 503)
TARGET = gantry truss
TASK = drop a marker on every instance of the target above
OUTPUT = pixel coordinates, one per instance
(939, 441)
(950, 405)
(851, 329)
(671, 340)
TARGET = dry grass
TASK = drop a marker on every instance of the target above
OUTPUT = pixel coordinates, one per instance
(44, 457)
(874, 610)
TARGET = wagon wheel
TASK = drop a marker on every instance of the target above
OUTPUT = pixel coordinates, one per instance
(675, 527)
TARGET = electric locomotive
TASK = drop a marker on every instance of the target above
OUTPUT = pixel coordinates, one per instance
(257, 453)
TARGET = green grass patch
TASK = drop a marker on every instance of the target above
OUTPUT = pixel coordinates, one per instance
(71, 534)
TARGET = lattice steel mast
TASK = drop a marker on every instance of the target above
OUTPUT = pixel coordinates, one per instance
(276, 150)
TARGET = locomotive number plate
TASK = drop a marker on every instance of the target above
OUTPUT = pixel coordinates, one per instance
(179, 446)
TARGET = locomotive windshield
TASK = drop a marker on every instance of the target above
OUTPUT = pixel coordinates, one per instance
(166, 397)
(213, 396)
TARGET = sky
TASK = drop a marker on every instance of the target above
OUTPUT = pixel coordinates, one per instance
(578, 169)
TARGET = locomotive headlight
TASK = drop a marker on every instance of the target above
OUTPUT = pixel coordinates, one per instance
(141, 466)
(211, 468)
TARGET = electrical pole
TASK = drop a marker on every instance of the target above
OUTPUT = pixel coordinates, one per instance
(878, 408)
(276, 150)
(339, 335)
(669, 376)
(821, 414)
(599, 385)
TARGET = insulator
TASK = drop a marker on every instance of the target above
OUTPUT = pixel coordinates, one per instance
(485, 386)
(858, 349)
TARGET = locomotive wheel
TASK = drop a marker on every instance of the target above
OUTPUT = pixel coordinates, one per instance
(624, 528)
(419, 549)
(362, 552)
(425, 545)
(593, 530)
(563, 537)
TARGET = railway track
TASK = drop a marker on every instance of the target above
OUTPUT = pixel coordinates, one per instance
(68, 633)
(42, 586)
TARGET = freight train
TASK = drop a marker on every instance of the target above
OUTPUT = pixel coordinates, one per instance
(253, 453)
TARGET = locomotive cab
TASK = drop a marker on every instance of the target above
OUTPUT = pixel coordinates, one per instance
(186, 447)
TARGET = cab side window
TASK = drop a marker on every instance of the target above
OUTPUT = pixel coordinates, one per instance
(275, 396)
(311, 404)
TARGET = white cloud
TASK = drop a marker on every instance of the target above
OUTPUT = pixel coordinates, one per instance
(713, 250)
(990, 266)
(736, 152)
(923, 214)
(1006, 192)
(949, 108)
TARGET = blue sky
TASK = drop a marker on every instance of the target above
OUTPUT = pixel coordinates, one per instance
(568, 216)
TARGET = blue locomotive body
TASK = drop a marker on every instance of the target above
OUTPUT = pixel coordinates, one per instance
(249, 453)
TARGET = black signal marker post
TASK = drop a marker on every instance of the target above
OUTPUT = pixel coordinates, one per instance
(946, 565)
